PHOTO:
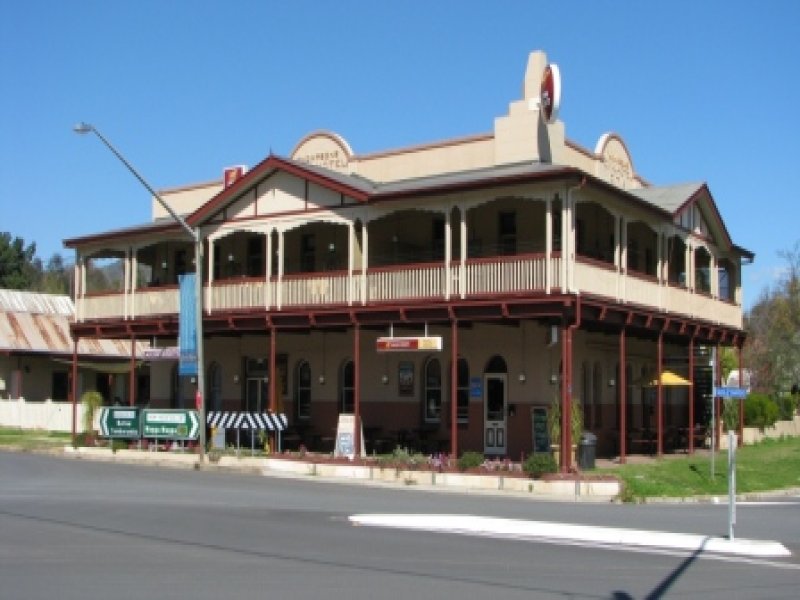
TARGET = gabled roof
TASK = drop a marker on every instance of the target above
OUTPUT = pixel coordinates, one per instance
(357, 188)
(364, 190)
(670, 198)
(675, 198)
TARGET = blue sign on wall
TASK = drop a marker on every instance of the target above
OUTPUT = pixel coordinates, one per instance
(475, 387)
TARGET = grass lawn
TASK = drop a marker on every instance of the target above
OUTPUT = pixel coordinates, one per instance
(770, 465)
(32, 440)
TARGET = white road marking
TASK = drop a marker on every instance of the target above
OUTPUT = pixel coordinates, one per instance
(568, 533)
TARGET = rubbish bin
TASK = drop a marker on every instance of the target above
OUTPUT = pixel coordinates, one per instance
(586, 451)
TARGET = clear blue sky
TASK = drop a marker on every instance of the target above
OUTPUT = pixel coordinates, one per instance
(699, 90)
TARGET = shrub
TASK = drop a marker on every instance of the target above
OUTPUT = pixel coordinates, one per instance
(91, 400)
(760, 411)
(730, 414)
(538, 464)
(470, 460)
(787, 406)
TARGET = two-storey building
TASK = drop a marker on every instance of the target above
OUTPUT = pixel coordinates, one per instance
(507, 270)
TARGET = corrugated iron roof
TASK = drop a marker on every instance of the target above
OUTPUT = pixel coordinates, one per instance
(39, 323)
(32, 302)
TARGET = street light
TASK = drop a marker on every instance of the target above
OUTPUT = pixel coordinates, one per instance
(84, 128)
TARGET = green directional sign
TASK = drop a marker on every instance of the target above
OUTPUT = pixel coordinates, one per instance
(119, 422)
(170, 424)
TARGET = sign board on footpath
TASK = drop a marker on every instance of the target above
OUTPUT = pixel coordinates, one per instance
(173, 424)
(120, 422)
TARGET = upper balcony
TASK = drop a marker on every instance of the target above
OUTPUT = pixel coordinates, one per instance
(507, 248)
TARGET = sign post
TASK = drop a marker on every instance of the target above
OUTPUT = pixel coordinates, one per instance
(731, 483)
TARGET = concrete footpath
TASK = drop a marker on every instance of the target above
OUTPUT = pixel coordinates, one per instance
(586, 489)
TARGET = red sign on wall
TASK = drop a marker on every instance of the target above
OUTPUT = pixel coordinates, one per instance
(409, 344)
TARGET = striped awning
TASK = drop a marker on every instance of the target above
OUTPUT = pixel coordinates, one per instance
(248, 420)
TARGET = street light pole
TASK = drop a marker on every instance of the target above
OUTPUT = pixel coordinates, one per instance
(84, 128)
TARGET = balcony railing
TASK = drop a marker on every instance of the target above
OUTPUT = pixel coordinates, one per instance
(506, 275)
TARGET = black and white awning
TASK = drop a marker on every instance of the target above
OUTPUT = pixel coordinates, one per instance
(248, 420)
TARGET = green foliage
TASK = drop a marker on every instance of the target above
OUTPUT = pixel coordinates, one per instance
(17, 269)
(470, 460)
(773, 330)
(769, 465)
(787, 406)
(91, 400)
(730, 414)
(537, 465)
(760, 411)
(554, 421)
(401, 458)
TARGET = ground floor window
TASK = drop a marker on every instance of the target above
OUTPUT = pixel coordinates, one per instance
(433, 391)
(347, 388)
(302, 391)
(60, 388)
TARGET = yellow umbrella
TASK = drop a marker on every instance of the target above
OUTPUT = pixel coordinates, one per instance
(669, 378)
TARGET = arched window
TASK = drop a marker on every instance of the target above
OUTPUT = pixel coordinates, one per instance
(462, 391)
(302, 391)
(347, 387)
(496, 364)
(433, 391)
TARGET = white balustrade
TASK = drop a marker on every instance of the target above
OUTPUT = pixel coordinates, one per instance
(506, 275)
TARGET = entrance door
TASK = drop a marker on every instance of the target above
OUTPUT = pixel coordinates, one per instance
(257, 399)
(494, 402)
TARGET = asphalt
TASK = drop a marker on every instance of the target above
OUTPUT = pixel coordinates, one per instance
(465, 484)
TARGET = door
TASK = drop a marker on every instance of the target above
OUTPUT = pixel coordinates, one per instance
(257, 399)
(494, 402)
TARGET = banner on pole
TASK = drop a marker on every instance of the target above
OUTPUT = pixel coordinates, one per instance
(187, 326)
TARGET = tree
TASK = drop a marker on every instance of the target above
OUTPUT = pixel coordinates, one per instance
(773, 346)
(17, 267)
(56, 277)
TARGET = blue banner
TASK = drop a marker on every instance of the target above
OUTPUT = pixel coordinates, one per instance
(187, 326)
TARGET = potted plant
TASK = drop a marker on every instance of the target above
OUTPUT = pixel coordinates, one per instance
(554, 426)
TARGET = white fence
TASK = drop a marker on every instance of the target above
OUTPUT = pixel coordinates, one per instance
(47, 415)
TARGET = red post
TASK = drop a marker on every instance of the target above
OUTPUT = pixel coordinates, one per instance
(357, 388)
(454, 390)
(623, 393)
(132, 374)
(74, 390)
(660, 398)
(690, 435)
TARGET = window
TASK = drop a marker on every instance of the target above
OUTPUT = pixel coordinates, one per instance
(60, 386)
(308, 253)
(597, 396)
(507, 232)
(302, 391)
(463, 391)
(433, 391)
(437, 249)
(347, 388)
(255, 257)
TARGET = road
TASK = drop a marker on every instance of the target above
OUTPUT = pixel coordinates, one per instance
(73, 529)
